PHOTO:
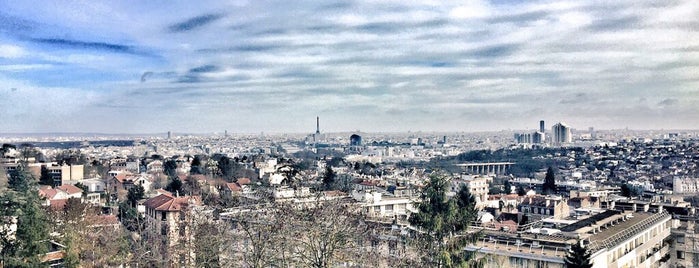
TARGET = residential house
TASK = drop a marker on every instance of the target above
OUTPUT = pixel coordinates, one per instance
(56, 197)
(170, 218)
(545, 206)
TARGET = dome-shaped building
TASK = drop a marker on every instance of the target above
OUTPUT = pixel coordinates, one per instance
(355, 140)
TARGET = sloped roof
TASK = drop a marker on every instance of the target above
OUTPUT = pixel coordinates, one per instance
(121, 177)
(243, 181)
(104, 220)
(58, 204)
(233, 187)
(166, 202)
(70, 189)
(163, 191)
(47, 192)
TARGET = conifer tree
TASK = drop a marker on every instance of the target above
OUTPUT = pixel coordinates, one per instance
(22, 206)
(549, 186)
(328, 178)
(444, 223)
(578, 257)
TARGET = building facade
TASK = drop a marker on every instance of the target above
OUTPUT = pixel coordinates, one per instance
(561, 134)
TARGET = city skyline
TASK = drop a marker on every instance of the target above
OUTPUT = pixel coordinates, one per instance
(250, 67)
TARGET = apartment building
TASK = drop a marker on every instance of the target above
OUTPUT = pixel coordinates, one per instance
(616, 239)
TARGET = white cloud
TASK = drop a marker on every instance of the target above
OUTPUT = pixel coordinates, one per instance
(277, 63)
(471, 9)
(11, 51)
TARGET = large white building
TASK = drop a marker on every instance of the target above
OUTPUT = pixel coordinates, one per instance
(682, 185)
(616, 239)
(561, 134)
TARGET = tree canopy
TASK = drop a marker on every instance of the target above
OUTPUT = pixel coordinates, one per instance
(549, 186)
(444, 222)
(22, 206)
(578, 257)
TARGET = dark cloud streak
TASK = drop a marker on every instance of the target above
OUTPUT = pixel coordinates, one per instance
(194, 23)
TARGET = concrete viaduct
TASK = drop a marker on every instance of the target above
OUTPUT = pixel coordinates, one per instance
(486, 168)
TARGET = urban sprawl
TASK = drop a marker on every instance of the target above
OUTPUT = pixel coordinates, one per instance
(546, 197)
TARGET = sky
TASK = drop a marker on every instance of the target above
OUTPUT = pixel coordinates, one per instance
(374, 66)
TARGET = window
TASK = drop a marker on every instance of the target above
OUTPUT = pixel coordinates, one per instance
(680, 239)
(163, 216)
(182, 230)
(389, 208)
(680, 255)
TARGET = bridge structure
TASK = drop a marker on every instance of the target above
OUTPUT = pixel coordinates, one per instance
(486, 168)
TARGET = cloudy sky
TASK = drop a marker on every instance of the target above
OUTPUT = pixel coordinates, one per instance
(273, 66)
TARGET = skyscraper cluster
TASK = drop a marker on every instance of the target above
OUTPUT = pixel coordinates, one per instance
(560, 134)
(537, 137)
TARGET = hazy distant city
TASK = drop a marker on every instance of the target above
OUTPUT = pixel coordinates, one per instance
(478, 133)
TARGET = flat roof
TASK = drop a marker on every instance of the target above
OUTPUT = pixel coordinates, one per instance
(617, 228)
(590, 221)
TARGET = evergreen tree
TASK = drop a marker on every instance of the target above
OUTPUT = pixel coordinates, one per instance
(45, 178)
(129, 216)
(578, 257)
(174, 186)
(445, 221)
(196, 166)
(170, 168)
(135, 193)
(521, 191)
(549, 186)
(19, 180)
(21, 205)
(508, 187)
(328, 178)
(82, 187)
(225, 167)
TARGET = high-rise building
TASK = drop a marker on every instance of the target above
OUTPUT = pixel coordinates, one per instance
(317, 124)
(561, 134)
(169, 135)
(542, 126)
(538, 137)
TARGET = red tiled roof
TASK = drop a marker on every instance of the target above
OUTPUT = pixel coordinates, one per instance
(120, 177)
(243, 181)
(163, 191)
(165, 202)
(70, 189)
(48, 193)
(58, 204)
(103, 220)
(234, 187)
(370, 183)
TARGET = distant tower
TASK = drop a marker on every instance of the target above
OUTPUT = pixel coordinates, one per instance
(225, 133)
(317, 124)
(542, 127)
(169, 135)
